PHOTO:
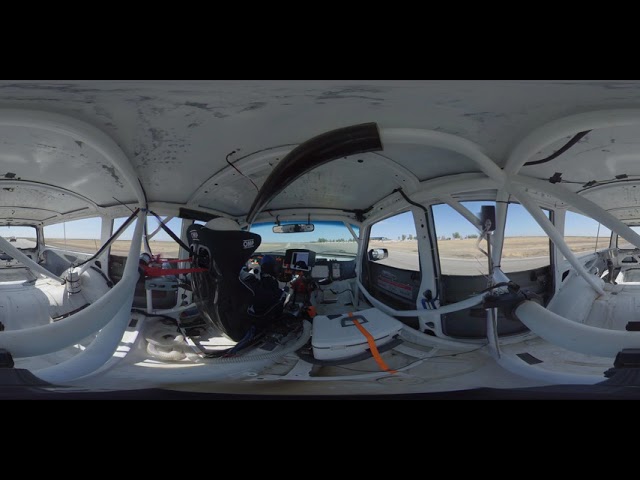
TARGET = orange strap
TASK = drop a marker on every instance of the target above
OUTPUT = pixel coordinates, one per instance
(372, 345)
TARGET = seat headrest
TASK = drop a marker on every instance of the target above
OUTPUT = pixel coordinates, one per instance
(222, 223)
(228, 248)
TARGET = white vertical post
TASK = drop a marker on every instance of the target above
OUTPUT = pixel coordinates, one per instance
(493, 171)
(105, 234)
(502, 198)
(555, 237)
(559, 216)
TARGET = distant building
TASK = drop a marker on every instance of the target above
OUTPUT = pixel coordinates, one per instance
(379, 239)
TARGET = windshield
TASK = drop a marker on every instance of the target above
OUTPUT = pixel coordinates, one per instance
(327, 238)
(20, 237)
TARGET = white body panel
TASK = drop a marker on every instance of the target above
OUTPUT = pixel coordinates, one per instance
(336, 338)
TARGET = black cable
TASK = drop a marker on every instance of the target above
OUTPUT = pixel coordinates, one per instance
(577, 137)
(599, 183)
(146, 314)
(106, 279)
(117, 232)
(146, 206)
(123, 204)
(236, 169)
(171, 234)
(68, 314)
(436, 265)
(145, 235)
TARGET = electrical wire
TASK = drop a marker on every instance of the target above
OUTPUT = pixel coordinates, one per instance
(106, 279)
(147, 314)
(106, 244)
(170, 233)
(557, 178)
(434, 256)
(236, 169)
(577, 137)
(145, 236)
(146, 206)
(497, 285)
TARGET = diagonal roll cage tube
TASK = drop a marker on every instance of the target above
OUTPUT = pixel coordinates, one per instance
(462, 210)
(585, 205)
(52, 337)
(72, 329)
(87, 263)
(493, 171)
(366, 137)
(9, 249)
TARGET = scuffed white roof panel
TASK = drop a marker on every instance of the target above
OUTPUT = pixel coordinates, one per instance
(37, 155)
(177, 133)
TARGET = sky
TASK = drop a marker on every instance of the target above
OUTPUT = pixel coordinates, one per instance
(519, 223)
(394, 227)
(447, 221)
(89, 228)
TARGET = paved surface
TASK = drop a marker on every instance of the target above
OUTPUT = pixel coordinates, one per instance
(22, 243)
(399, 259)
(409, 260)
(464, 266)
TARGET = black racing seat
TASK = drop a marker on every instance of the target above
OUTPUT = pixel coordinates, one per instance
(231, 303)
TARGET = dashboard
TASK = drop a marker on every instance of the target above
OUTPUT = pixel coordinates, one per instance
(338, 267)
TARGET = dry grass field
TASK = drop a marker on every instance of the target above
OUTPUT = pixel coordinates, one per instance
(515, 247)
(120, 247)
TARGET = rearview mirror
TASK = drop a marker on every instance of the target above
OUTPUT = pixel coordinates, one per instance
(294, 228)
(376, 254)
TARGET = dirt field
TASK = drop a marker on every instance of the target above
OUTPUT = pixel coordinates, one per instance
(515, 247)
(119, 247)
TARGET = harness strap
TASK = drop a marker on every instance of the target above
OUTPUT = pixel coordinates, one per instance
(372, 345)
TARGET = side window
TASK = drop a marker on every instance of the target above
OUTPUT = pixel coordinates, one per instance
(458, 239)
(526, 245)
(161, 243)
(77, 236)
(398, 235)
(123, 243)
(585, 235)
(19, 236)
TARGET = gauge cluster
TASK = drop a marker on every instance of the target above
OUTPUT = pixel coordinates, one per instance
(284, 266)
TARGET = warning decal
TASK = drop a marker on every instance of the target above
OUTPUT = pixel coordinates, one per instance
(400, 289)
